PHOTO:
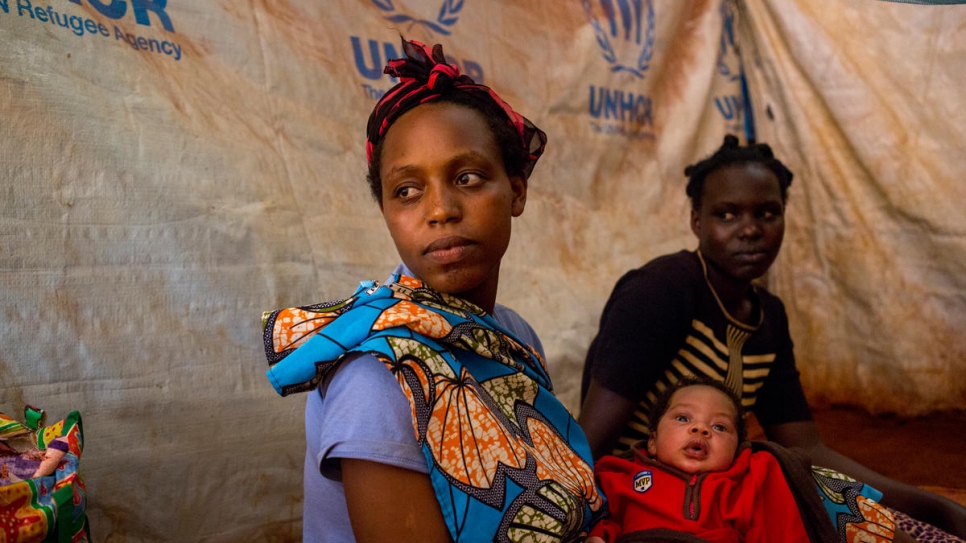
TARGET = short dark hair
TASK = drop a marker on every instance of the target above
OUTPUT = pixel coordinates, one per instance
(732, 152)
(664, 398)
(515, 157)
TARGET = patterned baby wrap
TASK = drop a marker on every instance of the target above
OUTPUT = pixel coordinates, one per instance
(507, 460)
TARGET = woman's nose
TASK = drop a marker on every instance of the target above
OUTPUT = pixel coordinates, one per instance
(444, 206)
(750, 228)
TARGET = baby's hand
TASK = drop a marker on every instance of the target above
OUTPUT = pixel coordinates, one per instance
(50, 462)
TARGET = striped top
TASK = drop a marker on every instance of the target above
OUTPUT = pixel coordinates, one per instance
(664, 321)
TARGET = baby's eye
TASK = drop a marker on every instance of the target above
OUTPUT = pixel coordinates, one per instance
(682, 418)
(720, 427)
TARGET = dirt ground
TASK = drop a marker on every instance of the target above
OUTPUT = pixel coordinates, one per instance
(927, 451)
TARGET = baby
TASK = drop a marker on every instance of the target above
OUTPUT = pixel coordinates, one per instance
(695, 476)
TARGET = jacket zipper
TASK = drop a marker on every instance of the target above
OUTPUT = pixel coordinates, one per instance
(691, 498)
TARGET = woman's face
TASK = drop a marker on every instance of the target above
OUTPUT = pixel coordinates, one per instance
(447, 199)
(741, 222)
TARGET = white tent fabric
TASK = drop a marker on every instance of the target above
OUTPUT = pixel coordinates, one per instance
(873, 264)
(172, 169)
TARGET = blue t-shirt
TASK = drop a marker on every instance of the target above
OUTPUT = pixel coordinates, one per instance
(342, 422)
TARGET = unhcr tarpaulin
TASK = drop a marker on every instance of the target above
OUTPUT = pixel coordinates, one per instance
(172, 169)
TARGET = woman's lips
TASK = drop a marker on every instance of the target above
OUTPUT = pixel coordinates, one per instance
(752, 257)
(448, 250)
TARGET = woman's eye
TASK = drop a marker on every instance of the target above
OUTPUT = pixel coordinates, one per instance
(771, 213)
(406, 191)
(468, 178)
(726, 216)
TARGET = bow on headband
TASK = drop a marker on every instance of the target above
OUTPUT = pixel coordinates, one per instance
(424, 75)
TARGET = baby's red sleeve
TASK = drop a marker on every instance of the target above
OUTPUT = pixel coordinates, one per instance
(606, 529)
(610, 473)
(774, 514)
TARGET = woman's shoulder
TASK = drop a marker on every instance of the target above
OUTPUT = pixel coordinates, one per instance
(666, 275)
(682, 264)
(512, 321)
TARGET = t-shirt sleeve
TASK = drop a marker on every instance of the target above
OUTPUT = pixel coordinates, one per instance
(781, 398)
(363, 414)
(643, 324)
(516, 324)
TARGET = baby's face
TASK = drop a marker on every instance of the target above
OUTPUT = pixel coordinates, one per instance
(697, 433)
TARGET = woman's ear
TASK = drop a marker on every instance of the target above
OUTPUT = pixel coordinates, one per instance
(696, 222)
(518, 185)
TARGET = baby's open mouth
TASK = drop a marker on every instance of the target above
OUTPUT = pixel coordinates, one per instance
(696, 449)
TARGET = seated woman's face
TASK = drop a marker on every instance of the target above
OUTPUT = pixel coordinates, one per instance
(447, 199)
(741, 222)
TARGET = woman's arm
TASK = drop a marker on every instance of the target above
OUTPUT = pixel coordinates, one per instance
(603, 416)
(387, 503)
(913, 501)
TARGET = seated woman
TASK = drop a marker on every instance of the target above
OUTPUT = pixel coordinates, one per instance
(430, 414)
(699, 313)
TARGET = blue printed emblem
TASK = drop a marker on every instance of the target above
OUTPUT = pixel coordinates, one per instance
(625, 38)
(643, 481)
(446, 17)
(729, 63)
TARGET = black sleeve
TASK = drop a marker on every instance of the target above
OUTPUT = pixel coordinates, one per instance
(781, 398)
(643, 324)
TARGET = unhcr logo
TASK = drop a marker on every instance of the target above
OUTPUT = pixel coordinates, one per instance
(729, 63)
(731, 104)
(624, 37)
(371, 56)
(81, 26)
(624, 30)
(446, 17)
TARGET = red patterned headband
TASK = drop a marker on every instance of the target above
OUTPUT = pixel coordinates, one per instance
(424, 75)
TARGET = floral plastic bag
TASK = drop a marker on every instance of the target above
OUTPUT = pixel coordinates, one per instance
(42, 496)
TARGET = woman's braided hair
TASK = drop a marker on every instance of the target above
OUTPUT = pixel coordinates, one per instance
(732, 152)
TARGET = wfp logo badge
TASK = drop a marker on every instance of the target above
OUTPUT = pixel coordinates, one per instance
(624, 30)
(625, 33)
(446, 17)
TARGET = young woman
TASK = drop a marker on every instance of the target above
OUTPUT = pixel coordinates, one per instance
(699, 313)
(433, 418)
